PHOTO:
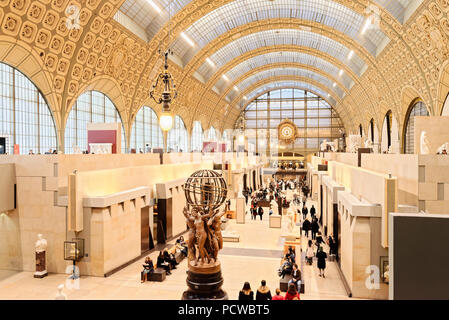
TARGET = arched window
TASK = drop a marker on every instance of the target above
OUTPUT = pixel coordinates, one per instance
(25, 117)
(314, 118)
(417, 109)
(177, 139)
(197, 137)
(91, 106)
(225, 139)
(212, 134)
(371, 130)
(146, 130)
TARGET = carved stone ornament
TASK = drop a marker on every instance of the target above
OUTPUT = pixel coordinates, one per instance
(287, 132)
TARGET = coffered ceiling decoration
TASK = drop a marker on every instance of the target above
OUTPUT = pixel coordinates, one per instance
(362, 56)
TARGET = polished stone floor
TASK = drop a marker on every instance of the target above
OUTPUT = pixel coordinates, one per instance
(256, 257)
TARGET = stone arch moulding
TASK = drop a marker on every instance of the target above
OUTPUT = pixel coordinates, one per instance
(409, 96)
(443, 91)
(403, 127)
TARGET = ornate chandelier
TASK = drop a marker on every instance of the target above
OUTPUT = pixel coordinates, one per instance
(169, 93)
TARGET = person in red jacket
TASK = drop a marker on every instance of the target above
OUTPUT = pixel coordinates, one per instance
(292, 293)
(278, 295)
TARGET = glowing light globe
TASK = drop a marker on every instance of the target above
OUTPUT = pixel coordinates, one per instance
(166, 121)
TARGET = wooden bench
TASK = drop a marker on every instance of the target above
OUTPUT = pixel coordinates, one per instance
(158, 275)
(179, 256)
(283, 283)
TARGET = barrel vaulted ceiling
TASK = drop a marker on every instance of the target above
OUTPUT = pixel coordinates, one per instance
(364, 57)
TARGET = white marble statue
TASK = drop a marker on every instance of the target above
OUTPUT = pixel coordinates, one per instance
(443, 148)
(323, 146)
(354, 141)
(41, 244)
(76, 149)
(368, 143)
(387, 274)
(424, 146)
(390, 150)
(61, 295)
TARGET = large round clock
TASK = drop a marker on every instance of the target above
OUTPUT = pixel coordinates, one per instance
(287, 131)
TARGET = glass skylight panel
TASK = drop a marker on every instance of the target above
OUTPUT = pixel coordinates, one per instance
(240, 12)
(284, 57)
(281, 37)
(396, 8)
(290, 84)
(285, 72)
(143, 13)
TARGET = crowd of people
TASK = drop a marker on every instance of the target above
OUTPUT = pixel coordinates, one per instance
(264, 293)
(165, 260)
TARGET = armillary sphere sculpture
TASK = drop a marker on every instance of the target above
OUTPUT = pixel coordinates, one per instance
(205, 192)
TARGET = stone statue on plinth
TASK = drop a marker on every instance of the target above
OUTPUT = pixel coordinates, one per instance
(205, 193)
(424, 146)
(41, 264)
(61, 295)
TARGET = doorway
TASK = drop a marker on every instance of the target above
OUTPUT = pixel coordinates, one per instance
(145, 229)
(2, 145)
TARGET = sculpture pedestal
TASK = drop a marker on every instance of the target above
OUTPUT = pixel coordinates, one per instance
(204, 282)
(41, 270)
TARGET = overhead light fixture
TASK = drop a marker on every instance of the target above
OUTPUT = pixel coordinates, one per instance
(155, 6)
(366, 25)
(341, 72)
(335, 84)
(236, 89)
(187, 39)
(169, 92)
(351, 53)
(245, 98)
(225, 77)
(210, 62)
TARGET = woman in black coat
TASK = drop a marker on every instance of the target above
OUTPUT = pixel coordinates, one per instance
(321, 261)
(315, 227)
(162, 264)
(246, 293)
(263, 293)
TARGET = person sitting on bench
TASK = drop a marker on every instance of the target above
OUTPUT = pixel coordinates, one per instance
(290, 255)
(161, 263)
(168, 257)
(148, 267)
(296, 277)
(286, 268)
(181, 245)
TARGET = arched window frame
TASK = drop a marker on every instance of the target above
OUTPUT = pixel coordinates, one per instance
(26, 117)
(98, 108)
(146, 130)
(197, 137)
(177, 138)
(416, 108)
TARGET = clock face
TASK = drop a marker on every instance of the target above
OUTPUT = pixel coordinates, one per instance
(287, 132)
